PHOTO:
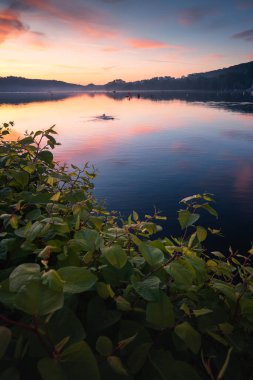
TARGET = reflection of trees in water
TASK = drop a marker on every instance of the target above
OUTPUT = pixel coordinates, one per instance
(29, 97)
(225, 100)
(229, 101)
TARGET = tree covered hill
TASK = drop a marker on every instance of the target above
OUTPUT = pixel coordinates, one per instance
(234, 78)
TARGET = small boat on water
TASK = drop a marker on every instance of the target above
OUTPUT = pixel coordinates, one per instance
(105, 117)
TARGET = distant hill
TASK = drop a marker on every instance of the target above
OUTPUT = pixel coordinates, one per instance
(18, 84)
(234, 78)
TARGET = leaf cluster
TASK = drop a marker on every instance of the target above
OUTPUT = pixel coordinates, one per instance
(85, 294)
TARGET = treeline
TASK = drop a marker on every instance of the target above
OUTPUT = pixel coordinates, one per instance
(238, 77)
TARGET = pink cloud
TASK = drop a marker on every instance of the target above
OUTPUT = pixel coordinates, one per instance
(245, 4)
(249, 56)
(88, 21)
(110, 49)
(213, 56)
(10, 25)
(142, 43)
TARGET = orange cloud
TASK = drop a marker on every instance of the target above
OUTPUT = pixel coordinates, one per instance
(142, 43)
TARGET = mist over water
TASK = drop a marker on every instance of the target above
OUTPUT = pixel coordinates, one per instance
(157, 149)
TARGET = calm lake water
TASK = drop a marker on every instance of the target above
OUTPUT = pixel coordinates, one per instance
(156, 151)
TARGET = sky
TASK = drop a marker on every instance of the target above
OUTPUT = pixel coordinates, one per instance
(96, 41)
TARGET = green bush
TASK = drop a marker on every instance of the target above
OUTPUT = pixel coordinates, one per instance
(87, 295)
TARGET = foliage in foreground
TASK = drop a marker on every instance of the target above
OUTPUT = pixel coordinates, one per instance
(86, 295)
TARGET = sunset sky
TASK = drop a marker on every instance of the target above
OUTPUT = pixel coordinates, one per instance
(96, 41)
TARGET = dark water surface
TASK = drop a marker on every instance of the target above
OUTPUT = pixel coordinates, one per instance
(158, 149)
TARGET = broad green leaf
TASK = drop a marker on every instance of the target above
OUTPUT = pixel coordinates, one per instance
(116, 256)
(65, 323)
(79, 362)
(21, 178)
(201, 233)
(182, 276)
(152, 255)
(34, 231)
(116, 364)
(226, 289)
(91, 239)
(138, 357)
(148, 289)
(23, 274)
(5, 338)
(46, 156)
(187, 219)
(104, 345)
(99, 317)
(76, 280)
(104, 290)
(189, 335)
(170, 369)
(160, 314)
(50, 369)
(37, 299)
(52, 279)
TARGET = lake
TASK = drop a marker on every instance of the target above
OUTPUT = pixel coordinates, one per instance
(158, 149)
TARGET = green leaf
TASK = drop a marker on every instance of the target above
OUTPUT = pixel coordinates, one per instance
(187, 219)
(160, 314)
(226, 289)
(148, 289)
(170, 369)
(52, 279)
(5, 338)
(21, 178)
(138, 357)
(116, 364)
(104, 346)
(104, 290)
(37, 299)
(210, 209)
(79, 362)
(46, 156)
(152, 255)
(50, 369)
(200, 312)
(64, 323)
(189, 335)
(201, 233)
(182, 276)
(135, 216)
(76, 280)
(34, 231)
(23, 274)
(116, 256)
